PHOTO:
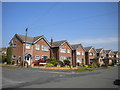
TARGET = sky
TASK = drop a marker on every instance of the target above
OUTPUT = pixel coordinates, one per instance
(89, 23)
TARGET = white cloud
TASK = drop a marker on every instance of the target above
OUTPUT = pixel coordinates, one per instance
(96, 41)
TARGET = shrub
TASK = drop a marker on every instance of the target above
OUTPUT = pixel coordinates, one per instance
(66, 62)
(95, 66)
(4, 59)
(74, 65)
(81, 65)
(50, 60)
(9, 55)
(86, 66)
(13, 62)
(49, 64)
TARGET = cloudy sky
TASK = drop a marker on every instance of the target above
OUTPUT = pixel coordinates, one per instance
(89, 23)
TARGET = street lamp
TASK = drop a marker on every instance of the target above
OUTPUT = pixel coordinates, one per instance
(25, 46)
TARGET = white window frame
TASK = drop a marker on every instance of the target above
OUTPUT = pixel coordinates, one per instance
(78, 52)
(43, 49)
(14, 57)
(37, 58)
(68, 50)
(27, 47)
(83, 53)
(14, 45)
(37, 47)
(90, 54)
(62, 50)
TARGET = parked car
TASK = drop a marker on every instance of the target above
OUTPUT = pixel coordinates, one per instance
(40, 62)
(117, 82)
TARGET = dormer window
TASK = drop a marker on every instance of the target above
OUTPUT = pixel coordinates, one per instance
(14, 45)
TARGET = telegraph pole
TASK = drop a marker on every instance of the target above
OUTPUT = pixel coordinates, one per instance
(25, 46)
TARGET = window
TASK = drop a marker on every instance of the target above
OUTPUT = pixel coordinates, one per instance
(117, 55)
(37, 57)
(82, 52)
(14, 45)
(63, 50)
(62, 58)
(78, 60)
(37, 47)
(90, 54)
(68, 58)
(82, 60)
(78, 52)
(13, 57)
(44, 57)
(27, 46)
(44, 48)
(68, 51)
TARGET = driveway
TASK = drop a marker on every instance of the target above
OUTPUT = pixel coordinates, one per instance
(36, 78)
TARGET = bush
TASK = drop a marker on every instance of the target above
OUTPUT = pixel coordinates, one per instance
(74, 65)
(13, 62)
(4, 59)
(50, 60)
(95, 66)
(86, 66)
(85, 69)
(66, 62)
(9, 55)
(81, 65)
(49, 64)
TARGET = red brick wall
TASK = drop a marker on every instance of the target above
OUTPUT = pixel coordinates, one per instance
(18, 50)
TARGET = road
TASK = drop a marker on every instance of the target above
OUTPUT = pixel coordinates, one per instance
(34, 78)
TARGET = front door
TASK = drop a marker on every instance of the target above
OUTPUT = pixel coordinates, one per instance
(28, 58)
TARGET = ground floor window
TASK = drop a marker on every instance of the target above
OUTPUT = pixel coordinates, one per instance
(37, 57)
(82, 60)
(13, 56)
(44, 57)
(62, 58)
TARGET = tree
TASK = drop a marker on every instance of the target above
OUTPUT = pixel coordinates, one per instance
(9, 55)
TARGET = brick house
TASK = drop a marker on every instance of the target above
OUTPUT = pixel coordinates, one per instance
(101, 54)
(78, 54)
(35, 48)
(61, 50)
(90, 55)
(109, 57)
(116, 57)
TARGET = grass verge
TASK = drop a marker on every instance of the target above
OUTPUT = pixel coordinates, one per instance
(86, 69)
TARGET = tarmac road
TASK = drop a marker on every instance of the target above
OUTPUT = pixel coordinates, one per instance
(34, 78)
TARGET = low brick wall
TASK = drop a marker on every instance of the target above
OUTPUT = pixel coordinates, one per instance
(43, 67)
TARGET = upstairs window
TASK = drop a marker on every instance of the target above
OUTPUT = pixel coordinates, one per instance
(68, 51)
(44, 48)
(78, 52)
(14, 45)
(37, 47)
(82, 52)
(28, 46)
(63, 50)
(90, 54)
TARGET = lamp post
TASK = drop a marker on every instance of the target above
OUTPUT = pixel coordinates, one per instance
(25, 46)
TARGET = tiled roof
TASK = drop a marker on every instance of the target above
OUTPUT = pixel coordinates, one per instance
(75, 46)
(29, 39)
(58, 43)
(98, 50)
(87, 48)
(107, 51)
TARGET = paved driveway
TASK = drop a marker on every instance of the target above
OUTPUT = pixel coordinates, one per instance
(34, 78)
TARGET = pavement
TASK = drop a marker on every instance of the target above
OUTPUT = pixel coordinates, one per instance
(37, 78)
